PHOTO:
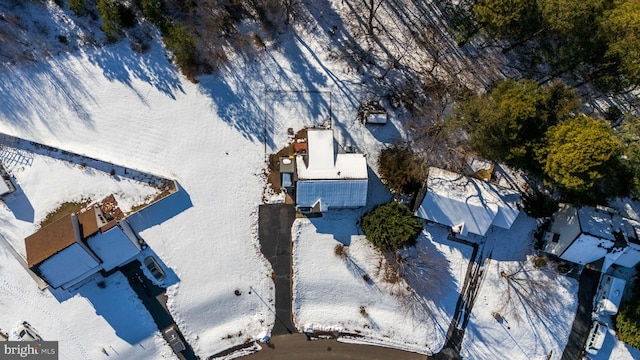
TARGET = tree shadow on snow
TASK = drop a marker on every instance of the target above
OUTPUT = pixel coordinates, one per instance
(120, 63)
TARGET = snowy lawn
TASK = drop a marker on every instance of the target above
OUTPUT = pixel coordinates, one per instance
(522, 311)
(350, 294)
(66, 181)
(110, 318)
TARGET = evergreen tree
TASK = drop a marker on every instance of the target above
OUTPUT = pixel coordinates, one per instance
(578, 152)
(507, 123)
(391, 226)
(400, 170)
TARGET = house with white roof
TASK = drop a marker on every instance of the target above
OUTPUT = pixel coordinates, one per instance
(596, 236)
(75, 247)
(327, 180)
(467, 205)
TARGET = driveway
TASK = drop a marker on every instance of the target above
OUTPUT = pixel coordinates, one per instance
(582, 322)
(274, 231)
(154, 299)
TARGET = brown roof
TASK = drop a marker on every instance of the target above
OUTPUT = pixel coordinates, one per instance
(88, 222)
(49, 240)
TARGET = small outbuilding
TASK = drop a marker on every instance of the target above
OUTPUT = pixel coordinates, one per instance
(609, 295)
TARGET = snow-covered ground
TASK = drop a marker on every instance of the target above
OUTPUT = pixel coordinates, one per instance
(213, 137)
(350, 294)
(136, 110)
(521, 311)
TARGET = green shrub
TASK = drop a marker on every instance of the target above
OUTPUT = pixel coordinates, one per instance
(400, 170)
(79, 7)
(115, 17)
(391, 226)
(628, 319)
(183, 45)
(154, 11)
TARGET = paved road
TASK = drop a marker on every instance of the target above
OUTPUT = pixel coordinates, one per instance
(152, 297)
(582, 322)
(297, 347)
(274, 231)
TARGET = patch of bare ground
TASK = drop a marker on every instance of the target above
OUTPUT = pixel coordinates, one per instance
(66, 208)
(272, 173)
(167, 188)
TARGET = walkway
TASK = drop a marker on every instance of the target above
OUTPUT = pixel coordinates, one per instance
(582, 322)
(274, 231)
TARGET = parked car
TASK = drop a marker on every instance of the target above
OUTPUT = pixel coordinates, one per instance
(154, 268)
(596, 337)
(27, 333)
(172, 337)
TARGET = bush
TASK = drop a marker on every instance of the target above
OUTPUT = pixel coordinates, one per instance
(79, 7)
(183, 45)
(154, 11)
(115, 17)
(628, 319)
(400, 170)
(391, 226)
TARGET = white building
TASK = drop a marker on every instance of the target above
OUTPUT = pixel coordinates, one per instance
(77, 246)
(609, 295)
(326, 180)
(467, 205)
(588, 235)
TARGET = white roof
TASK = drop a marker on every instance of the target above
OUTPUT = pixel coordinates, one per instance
(609, 295)
(320, 149)
(377, 118)
(113, 247)
(70, 263)
(323, 164)
(467, 204)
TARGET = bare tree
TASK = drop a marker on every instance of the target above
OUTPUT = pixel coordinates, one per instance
(371, 7)
(528, 291)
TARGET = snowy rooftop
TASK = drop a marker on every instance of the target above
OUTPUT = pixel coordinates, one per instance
(113, 247)
(322, 162)
(51, 239)
(466, 204)
(602, 224)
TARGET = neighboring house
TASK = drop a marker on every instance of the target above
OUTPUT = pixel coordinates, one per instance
(589, 235)
(326, 180)
(467, 205)
(75, 247)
